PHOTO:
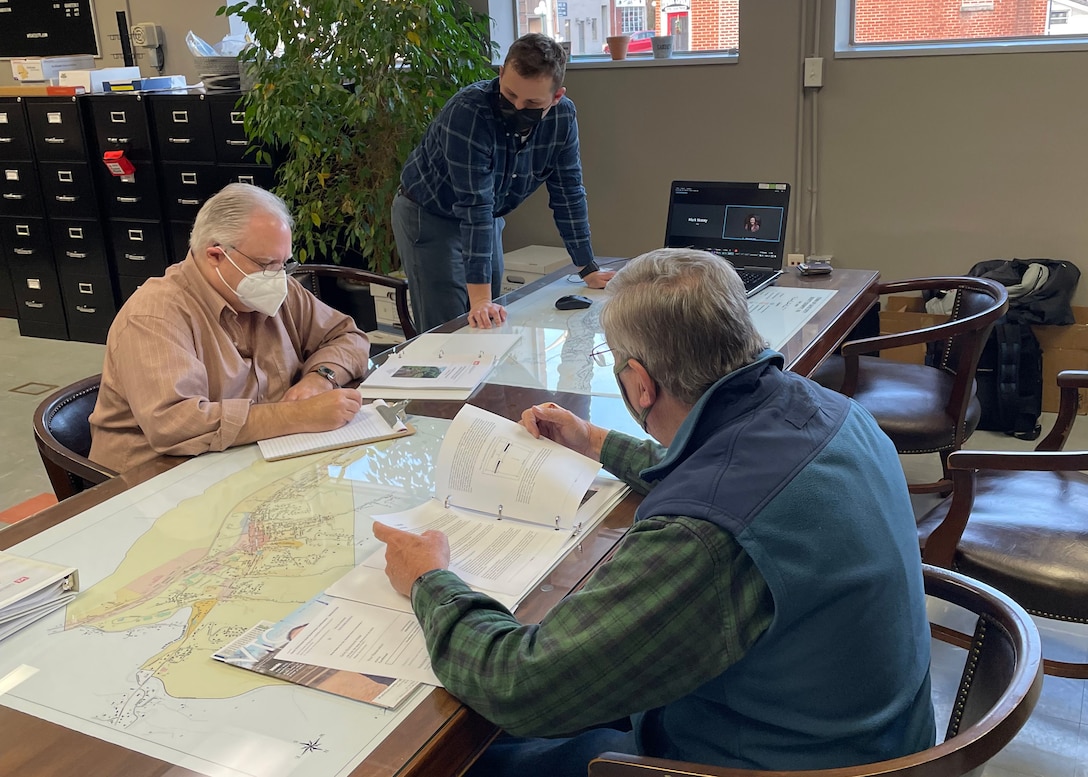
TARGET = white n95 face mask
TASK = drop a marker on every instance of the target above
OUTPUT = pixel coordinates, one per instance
(261, 292)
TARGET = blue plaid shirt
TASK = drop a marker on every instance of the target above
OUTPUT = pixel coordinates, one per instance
(470, 168)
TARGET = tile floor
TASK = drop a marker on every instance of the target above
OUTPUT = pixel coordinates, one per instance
(1053, 744)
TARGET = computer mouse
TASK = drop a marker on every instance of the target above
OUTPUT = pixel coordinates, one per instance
(573, 302)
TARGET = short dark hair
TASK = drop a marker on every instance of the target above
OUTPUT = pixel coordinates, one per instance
(535, 55)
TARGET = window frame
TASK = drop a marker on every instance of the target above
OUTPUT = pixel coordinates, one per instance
(504, 31)
(845, 48)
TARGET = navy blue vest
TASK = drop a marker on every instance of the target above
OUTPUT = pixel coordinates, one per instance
(815, 494)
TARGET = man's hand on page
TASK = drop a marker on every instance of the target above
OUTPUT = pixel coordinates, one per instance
(564, 427)
(408, 555)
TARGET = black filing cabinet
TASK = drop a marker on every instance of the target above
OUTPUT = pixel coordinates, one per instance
(24, 232)
(66, 169)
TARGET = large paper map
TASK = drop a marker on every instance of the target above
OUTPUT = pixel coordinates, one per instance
(177, 567)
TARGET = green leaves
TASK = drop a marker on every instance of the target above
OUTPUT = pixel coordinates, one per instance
(346, 90)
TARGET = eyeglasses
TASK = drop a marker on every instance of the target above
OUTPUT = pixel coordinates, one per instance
(603, 355)
(271, 268)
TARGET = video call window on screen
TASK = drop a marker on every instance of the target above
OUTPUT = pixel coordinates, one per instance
(729, 219)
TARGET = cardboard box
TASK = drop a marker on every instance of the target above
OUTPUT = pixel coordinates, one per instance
(905, 314)
(526, 265)
(1064, 348)
(93, 80)
(47, 68)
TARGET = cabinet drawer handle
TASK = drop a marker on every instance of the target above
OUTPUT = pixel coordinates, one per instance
(56, 140)
(128, 199)
(135, 257)
(188, 202)
(65, 198)
(7, 140)
(24, 251)
(37, 305)
(75, 255)
(85, 309)
(180, 140)
(237, 142)
(9, 196)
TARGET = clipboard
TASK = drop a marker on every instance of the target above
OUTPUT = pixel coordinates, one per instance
(375, 422)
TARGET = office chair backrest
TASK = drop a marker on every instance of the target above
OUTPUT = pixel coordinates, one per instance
(63, 436)
(310, 275)
(1000, 684)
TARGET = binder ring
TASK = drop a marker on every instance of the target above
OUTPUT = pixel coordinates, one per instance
(500, 512)
(446, 503)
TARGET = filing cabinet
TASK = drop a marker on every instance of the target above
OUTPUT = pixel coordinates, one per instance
(77, 241)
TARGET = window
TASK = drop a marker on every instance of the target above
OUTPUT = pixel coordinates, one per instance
(697, 25)
(957, 26)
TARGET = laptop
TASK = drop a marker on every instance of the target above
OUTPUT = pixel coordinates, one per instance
(744, 223)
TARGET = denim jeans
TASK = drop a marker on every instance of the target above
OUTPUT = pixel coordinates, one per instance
(430, 252)
(537, 757)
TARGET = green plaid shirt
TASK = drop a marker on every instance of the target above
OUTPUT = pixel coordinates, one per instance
(678, 603)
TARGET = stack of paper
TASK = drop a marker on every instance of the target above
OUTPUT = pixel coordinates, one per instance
(436, 366)
(31, 589)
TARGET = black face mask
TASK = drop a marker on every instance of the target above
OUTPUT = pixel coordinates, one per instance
(519, 122)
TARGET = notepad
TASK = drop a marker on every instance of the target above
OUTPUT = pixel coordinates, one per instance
(373, 423)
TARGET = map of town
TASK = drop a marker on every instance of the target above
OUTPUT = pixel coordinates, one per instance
(174, 569)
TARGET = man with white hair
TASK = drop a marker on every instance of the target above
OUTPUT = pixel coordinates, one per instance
(225, 348)
(766, 609)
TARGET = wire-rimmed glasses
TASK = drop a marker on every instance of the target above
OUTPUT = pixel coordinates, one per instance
(271, 268)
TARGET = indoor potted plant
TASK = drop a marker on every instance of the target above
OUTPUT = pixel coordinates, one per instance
(343, 90)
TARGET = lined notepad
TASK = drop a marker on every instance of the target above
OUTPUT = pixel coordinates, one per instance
(369, 425)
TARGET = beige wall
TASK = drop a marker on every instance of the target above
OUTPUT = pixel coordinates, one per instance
(926, 164)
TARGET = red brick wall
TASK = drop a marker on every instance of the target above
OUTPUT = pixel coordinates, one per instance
(714, 25)
(879, 21)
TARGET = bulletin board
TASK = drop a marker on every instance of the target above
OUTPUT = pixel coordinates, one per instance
(47, 28)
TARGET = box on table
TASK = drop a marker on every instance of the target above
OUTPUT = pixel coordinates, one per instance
(526, 265)
(47, 68)
(93, 80)
(905, 314)
(1064, 348)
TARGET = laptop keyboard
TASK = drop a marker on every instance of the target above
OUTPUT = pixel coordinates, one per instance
(752, 277)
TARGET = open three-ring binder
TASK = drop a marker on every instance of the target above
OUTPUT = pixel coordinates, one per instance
(31, 589)
(438, 366)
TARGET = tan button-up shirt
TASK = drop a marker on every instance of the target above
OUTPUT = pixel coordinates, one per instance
(182, 367)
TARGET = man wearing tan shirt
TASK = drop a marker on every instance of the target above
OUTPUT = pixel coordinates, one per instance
(225, 349)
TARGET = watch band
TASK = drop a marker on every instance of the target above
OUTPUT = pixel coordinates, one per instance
(589, 269)
(327, 374)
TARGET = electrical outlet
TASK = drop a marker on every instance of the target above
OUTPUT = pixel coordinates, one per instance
(792, 260)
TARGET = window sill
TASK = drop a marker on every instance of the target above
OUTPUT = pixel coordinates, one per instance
(948, 49)
(590, 62)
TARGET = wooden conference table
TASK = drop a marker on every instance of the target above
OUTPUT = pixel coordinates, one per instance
(441, 736)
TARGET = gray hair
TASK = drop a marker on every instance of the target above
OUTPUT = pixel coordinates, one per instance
(683, 315)
(224, 218)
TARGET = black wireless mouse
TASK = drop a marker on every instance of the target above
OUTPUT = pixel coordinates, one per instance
(573, 302)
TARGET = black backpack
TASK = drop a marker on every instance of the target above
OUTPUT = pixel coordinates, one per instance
(1009, 380)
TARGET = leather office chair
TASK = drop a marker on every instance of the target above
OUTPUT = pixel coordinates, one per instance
(63, 437)
(923, 409)
(1019, 521)
(309, 275)
(998, 690)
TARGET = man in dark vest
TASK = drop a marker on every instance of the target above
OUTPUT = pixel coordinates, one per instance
(765, 611)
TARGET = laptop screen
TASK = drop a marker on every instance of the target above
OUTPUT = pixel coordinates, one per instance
(743, 222)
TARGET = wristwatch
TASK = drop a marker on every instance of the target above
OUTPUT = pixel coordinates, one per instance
(589, 269)
(327, 374)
